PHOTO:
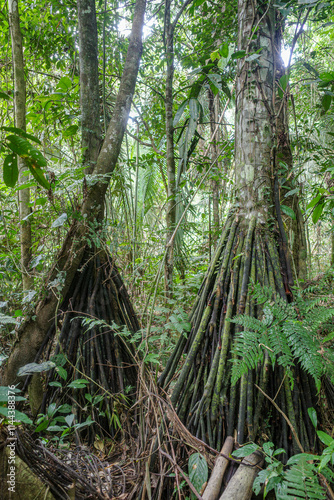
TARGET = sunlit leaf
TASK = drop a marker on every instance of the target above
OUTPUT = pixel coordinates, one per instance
(10, 170)
(317, 212)
(313, 416)
(288, 211)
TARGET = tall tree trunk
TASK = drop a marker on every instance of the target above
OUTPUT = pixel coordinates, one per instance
(169, 30)
(32, 333)
(20, 122)
(252, 248)
(295, 226)
(89, 84)
(215, 183)
(170, 160)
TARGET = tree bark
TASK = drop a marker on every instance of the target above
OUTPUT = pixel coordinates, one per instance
(170, 160)
(89, 84)
(295, 227)
(31, 334)
(215, 183)
(20, 122)
(254, 113)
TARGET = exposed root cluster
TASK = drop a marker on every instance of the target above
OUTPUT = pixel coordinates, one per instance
(205, 400)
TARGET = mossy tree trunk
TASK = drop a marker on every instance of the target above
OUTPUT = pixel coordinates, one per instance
(215, 182)
(252, 248)
(89, 84)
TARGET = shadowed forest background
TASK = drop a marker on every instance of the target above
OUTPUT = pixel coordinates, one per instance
(167, 249)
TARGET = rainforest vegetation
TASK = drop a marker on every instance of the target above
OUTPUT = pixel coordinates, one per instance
(167, 249)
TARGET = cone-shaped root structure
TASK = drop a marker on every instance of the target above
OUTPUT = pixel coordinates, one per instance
(99, 350)
(204, 397)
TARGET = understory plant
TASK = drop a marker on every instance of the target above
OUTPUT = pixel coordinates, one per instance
(305, 475)
(289, 333)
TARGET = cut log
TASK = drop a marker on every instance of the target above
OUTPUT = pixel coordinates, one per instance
(240, 486)
(213, 488)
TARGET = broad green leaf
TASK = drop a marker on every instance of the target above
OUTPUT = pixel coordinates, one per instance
(65, 83)
(4, 96)
(327, 76)
(25, 150)
(69, 419)
(324, 461)
(179, 112)
(268, 448)
(70, 131)
(295, 459)
(222, 63)
(325, 438)
(55, 428)
(326, 102)
(61, 372)
(194, 109)
(52, 408)
(314, 201)
(214, 55)
(55, 384)
(216, 80)
(10, 170)
(313, 416)
(224, 51)
(246, 450)
(292, 192)
(21, 133)
(311, 69)
(283, 83)
(288, 211)
(42, 426)
(238, 54)
(279, 451)
(152, 358)
(66, 408)
(39, 175)
(35, 368)
(18, 415)
(33, 158)
(317, 212)
(198, 471)
(78, 384)
(60, 221)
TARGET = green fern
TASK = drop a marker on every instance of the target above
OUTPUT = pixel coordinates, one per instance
(301, 481)
(288, 332)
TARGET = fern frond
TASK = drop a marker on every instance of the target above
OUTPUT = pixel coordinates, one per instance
(305, 347)
(301, 481)
(247, 353)
(277, 341)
